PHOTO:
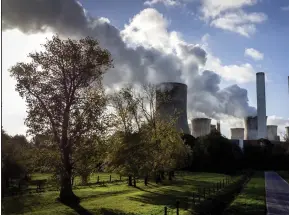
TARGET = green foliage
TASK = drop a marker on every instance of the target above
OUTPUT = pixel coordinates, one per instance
(215, 153)
(62, 86)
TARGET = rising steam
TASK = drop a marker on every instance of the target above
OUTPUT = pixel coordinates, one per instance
(137, 59)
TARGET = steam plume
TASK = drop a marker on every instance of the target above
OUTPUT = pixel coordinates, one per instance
(135, 61)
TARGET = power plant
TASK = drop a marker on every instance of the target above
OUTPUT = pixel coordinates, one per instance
(237, 133)
(201, 126)
(171, 102)
(213, 128)
(272, 132)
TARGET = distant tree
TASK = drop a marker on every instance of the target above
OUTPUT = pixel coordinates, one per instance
(12, 160)
(87, 157)
(216, 153)
(63, 89)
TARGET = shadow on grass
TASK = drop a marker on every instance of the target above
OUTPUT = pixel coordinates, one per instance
(103, 211)
(251, 201)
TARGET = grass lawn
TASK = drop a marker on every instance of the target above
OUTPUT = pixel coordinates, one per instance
(252, 199)
(115, 198)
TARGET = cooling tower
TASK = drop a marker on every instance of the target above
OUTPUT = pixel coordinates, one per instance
(237, 133)
(213, 128)
(201, 127)
(272, 132)
(261, 105)
(171, 103)
(251, 125)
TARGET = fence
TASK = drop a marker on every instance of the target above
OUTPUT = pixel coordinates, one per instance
(19, 187)
(197, 197)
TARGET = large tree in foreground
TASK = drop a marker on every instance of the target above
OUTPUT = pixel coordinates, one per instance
(63, 89)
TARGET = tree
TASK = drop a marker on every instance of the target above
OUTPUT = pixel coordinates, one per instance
(87, 158)
(63, 89)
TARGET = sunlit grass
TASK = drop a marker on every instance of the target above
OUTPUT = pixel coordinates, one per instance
(115, 198)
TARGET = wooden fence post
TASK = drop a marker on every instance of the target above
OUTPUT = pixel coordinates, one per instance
(166, 211)
(109, 178)
(204, 191)
(178, 207)
(193, 198)
(98, 179)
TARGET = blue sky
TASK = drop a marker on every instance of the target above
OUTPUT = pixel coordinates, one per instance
(271, 38)
(240, 37)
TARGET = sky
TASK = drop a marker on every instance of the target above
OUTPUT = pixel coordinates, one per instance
(214, 46)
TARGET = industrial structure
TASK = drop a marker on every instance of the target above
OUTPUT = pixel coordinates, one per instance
(251, 128)
(171, 104)
(272, 132)
(261, 105)
(219, 126)
(213, 128)
(201, 126)
(237, 133)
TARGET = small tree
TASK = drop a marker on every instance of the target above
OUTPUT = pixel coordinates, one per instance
(63, 89)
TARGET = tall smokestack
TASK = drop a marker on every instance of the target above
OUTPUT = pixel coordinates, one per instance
(219, 126)
(261, 105)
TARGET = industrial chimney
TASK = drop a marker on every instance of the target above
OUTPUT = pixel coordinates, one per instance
(171, 102)
(272, 132)
(251, 125)
(237, 133)
(261, 105)
(287, 132)
(201, 127)
(219, 126)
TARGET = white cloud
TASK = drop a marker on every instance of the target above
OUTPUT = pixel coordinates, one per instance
(239, 22)
(229, 15)
(15, 50)
(213, 8)
(285, 8)
(165, 2)
(253, 53)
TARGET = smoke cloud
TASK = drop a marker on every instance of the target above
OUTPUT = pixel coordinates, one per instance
(144, 51)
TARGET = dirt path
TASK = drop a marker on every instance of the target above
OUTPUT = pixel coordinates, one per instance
(277, 194)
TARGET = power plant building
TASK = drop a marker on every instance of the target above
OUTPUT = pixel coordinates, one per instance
(261, 105)
(201, 127)
(171, 103)
(272, 132)
(213, 128)
(237, 133)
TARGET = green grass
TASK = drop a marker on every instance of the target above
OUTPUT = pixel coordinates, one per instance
(115, 198)
(252, 199)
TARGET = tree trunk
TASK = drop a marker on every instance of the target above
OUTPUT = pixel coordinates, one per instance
(84, 179)
(173, 174)
(170, 175)
(66, 194)
(129, 180)
(134, 182)
(146, 180)
(162, 173)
